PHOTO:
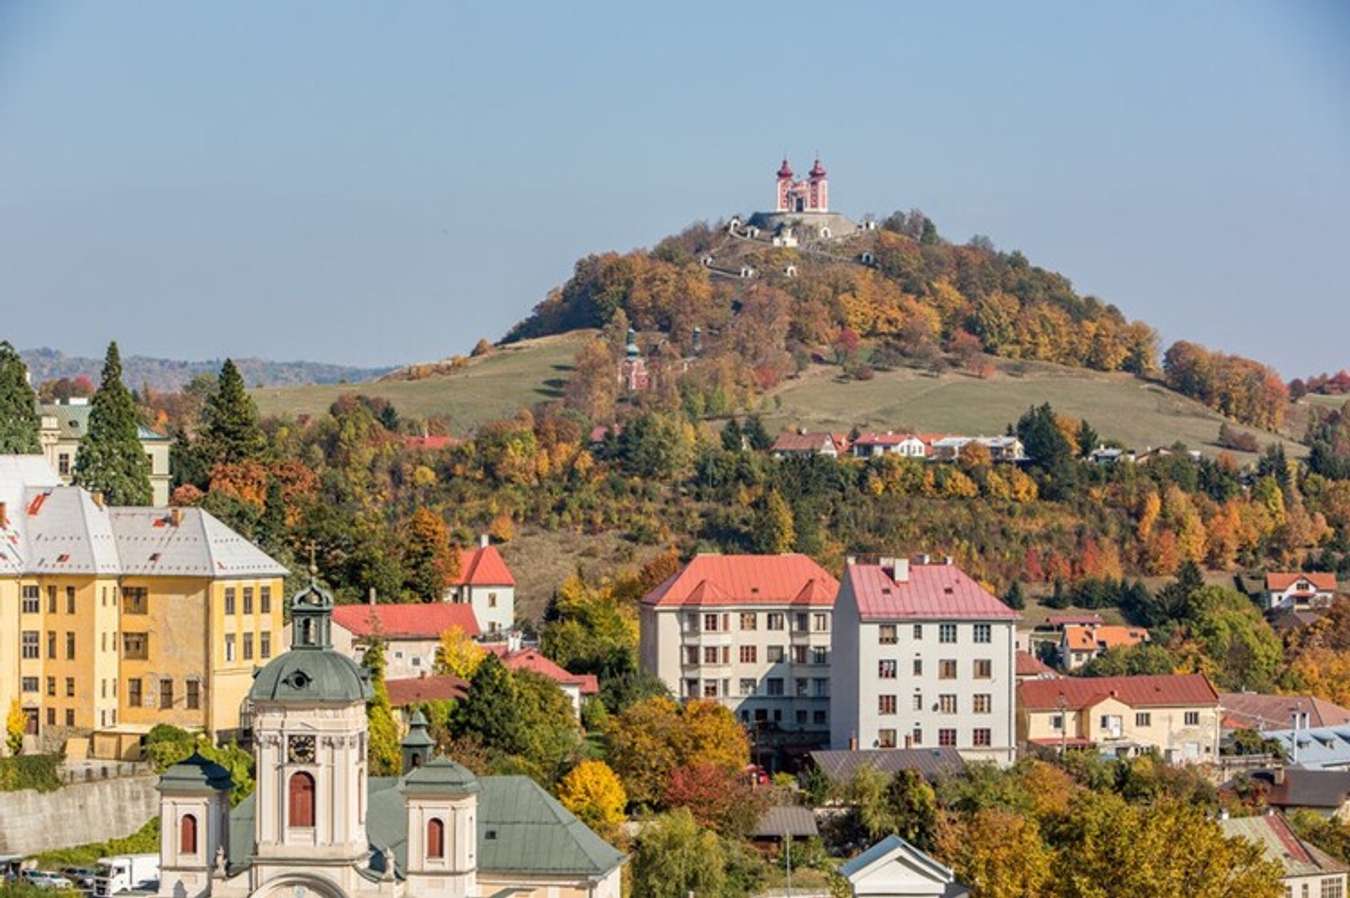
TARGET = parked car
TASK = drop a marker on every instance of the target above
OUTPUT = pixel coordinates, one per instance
(44, 879)
(83, 877)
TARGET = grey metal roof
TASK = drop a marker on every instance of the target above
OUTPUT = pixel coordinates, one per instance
(440, 776)
(1281, 845)
(196, 772)
(149, 544)
(1296, 787)
(933, 763)
(794, 821)
(1318, 747)
(311, 675)
(18, 473)
(72, 422)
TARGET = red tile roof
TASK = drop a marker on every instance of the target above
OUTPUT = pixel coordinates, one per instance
(936, 591)
(417, 621)
(792, 441)
(1165, 690)
(1254, 711)
(747, 580)
(1086, 639)
(483, 566)
(1062, 620)
(1028, 665)
(431, 442)
(404, 692)
(534, 660)
(1282, 580)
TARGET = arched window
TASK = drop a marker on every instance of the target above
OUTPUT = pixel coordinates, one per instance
(435, 838)
(187, 835)
(301, 804)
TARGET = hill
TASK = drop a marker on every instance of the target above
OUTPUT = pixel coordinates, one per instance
(173, 374)
(490, 386)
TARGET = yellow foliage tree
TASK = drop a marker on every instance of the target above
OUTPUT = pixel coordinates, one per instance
(15, 724)
(998, 853)
(1324, 673)
(458, 654)
(594, 793)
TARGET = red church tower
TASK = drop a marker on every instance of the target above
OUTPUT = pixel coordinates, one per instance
(811, 195)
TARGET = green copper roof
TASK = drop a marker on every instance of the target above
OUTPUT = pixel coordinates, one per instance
(310, 675)
(196, 772)
(441, 776)
(418, 737)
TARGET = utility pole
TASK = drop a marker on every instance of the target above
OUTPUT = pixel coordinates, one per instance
(787, 855)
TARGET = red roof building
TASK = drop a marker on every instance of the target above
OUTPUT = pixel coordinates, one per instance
(395, 622)
(1255, 711)
(483, 566)
(415, 690)
(904, 591)
(1156, 691)
(1296, 590)
(791, 579)
(1029, 667)
(532, 659)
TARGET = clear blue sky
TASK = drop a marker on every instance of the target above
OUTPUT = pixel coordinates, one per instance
(384, 182)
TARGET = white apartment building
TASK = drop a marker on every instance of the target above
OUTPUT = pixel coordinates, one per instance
(750, 631)
(922, 656)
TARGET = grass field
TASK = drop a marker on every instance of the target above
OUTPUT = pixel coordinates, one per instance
(1138, 413)
(489, 387)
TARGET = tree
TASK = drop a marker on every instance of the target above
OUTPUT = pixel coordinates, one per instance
(1086, 438)
(654, 736)
(458, 654)
(998, 853)
(429, 560)
(1135, 660)
(755, 434)
(913, 807)
(732, 437)
(230, 430)
(1042, 438)
(718, 797)
(1015, 599)
(15, 726)
(676, 858)
(111, 459)
(382, 753)
(19, 420)
(491, 710)
(774, 529)
(551, 737)
(593, 792)
(593, 387)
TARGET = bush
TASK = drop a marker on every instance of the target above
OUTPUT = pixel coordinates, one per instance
(40, 772)
(144, 841)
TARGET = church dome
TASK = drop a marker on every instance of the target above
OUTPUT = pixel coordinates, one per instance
(785, 170)
(817, 170)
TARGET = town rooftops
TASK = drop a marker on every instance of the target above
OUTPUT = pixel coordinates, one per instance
(415, 690)
(932, 763)
(72, 421)
(1077, 693)
(720, 580)
(792, 821)
(921, 591)
(1254, 711)
(534, 660)
(1295, 787)
(416, 621)
(483, 566)
(1281, 845)
(1028, 665)
(1318, 747)
(1279, 581)
(1086, 639)
(1083, 620)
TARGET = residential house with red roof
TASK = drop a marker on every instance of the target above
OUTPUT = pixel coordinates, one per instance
(1299, 590)
(804, 444)
(1029, 667)
(910, 445)
(922, 656)
(1079, 644)
(1306, 870)
(411, 633)
(1176, 714)
(575, 686)
(750, 631)
(485, 583)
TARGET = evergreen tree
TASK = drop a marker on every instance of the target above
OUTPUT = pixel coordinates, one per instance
(1087, 439)
(1015, 599)
(492, 710)
(731, 436)
(755, 433)
(1059, 598)
(1040, 435)
(382, 754)
(271, 529)
(19, 421)
(230, 429)
(111, 459)
(774, 531)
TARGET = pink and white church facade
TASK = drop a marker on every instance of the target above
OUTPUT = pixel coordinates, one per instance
(811, 195)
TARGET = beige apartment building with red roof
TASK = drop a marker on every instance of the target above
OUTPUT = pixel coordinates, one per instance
(750, 631)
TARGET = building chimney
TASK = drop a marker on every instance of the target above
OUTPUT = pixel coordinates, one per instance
(370, 597)
(1279, 776)
(850, 560)
(483, 540)
(176, 516)
(853, 742)
(924, 559)
(1223, 813)
(947, 560)
(901, 572)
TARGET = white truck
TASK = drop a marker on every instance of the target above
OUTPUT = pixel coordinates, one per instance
(124, 872)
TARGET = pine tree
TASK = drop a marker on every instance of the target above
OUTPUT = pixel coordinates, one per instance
(230, 429)
(1015, 599)
(775, 531)
(492, 710)
(111, 459)
(19, 421)
(731, 436)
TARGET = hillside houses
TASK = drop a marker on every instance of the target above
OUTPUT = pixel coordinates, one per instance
(1299, 591)
(1080, 643)
(872, 444)
(804, 444)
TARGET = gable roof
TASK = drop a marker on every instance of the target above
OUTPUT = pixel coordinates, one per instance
(1254, 711)
(892, 439)
(532, 659)
(1085, 619)
(1104, 637)
(794, 441)
(1281, 845)
(1160, 691)
(1028, 665)
(1295, 787)
(1279, 581)
(929, 591)
(932, 763)
(413, 690)
(791, 579)
(416, 621)
(483, 566)
(894, 846)
(793, 821)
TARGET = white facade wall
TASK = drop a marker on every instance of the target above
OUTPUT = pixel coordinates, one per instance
(494, 607)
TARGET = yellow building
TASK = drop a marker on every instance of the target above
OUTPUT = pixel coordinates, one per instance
(1175, 715)
(115, 619)
(63, 424)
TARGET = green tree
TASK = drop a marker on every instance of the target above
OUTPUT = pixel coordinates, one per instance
(492, 709)
(913, 808)
(1087, 439)
(1045, 443)
(19, 420)
(774, 529)
(1015, 599)
(382, 755)
(552, 737)
(230, 430)
(111, 459)
(1135, 660)
(731, 436)
(755, 434)
(676, 858)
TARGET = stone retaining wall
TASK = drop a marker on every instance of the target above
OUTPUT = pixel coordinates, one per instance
(32, 821)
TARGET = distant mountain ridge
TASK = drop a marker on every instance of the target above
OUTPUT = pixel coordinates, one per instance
(172, 374)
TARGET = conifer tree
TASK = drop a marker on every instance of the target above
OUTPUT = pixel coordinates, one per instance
(230, 429)
(1015, 598)
(19, 420)
(775, 531)
(111, 459)
(492, 710)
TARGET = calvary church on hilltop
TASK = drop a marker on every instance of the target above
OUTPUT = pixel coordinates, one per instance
(318, 825)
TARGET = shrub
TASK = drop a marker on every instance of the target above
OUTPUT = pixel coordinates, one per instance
(40, 772)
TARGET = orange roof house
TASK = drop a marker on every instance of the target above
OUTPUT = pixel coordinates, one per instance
(1080, 644)
(790, 579)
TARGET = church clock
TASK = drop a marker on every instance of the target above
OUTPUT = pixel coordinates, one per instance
(300, 749)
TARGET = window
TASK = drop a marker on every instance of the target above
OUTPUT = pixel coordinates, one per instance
(187, 835)
(63, 464)
(691, 623)
(710, 623)
(983, 633)
(1192, 718)
(800, 621)
(435, 838)
(136, 600)
(749, 654)
(916, 737)
(803, 687)
(982, 702)
(264, 644)
(947, 703)
(775, 685)
(136, 646)
(70, 688)
(1056, 721)
(799, 654)
(194, 695)
(775, 621)
(300, 800)
(691, 688)
(70, 646)
(820, 687)
(747, 686)
(886, 634)
(1332, 887)
(818, 717)
(51, 686)
(51, 645)
(248, 599)
(229, 646)
(229, 600)
(918, 667)
(492, 600)
(70, 717)
(165, 694)
(800, 717)
(885, 704)
(30, 643)
(134, 692)
(775, 654)
(265, 599)
(886, 738)
(917, 704)
(710, 689)
(947, 738)
(984, 669)
(886, 670)
(70, 600)
(980, 737)
(946, 632)
(32, 603)
(691, 656)
(820, 655)
(947, 669)
(749, 620)
(1143, 719)
(51, 717)
(918, 631)
(51, 599)
(30, 684)
(710, 654)
(820, 622)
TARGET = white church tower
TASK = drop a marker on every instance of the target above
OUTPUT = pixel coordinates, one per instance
(194, 814)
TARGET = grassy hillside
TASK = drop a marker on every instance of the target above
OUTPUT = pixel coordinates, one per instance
(1139, 413)
(489, 387)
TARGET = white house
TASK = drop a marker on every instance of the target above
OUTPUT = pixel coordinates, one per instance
(1285, 589)
(893, 868)
(486, 584)
(909, 445)
(922, 655)
(805, 444)
(411, 633)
